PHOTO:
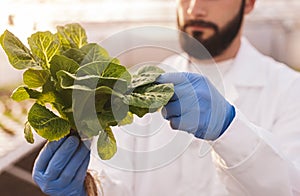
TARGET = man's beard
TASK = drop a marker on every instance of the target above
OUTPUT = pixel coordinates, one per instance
(217, 43)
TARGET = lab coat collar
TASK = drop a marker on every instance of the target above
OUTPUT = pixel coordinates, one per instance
(247, 69)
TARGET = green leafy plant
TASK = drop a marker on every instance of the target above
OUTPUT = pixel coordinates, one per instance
(69, 77)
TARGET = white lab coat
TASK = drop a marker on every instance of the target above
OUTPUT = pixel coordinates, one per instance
(258, 155)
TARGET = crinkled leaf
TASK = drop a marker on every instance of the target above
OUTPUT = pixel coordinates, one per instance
(22, 93)
(18, 54)
(106, 144)
(60, 62)
(71, 36)
(149, 98)
(28, 133)
(140, 112)
(149, 69)
(44, 45)
(47, 124)
(146, 75)
(35, 78)
(153, 96)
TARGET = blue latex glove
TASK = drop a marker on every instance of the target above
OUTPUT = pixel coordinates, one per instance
(61, 167)
(196, 107)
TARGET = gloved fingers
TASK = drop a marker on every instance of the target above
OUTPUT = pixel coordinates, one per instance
(184, 90)
(74, 164)
(175, 123)
(76, 186)
(186, 123)
(46, 154)
(172, 109)
(81, 172)
(61, 158)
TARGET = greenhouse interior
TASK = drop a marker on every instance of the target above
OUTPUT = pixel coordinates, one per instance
(136, 32)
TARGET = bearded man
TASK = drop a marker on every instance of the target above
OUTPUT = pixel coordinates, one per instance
(243, 141)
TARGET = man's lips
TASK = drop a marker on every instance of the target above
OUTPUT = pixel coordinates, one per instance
(197, 28)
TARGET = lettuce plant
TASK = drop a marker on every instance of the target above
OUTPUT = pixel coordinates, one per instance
(69, 77)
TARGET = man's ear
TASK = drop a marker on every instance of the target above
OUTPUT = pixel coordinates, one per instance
(249, 5)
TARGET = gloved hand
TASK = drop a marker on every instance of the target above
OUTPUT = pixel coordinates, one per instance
(61, 167)
(196, 107)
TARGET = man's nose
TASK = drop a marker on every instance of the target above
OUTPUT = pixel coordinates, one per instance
(196, 9)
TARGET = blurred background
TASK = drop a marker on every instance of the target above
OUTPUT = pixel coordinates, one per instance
(273, 27)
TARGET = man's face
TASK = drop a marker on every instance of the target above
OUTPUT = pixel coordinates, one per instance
(214, 23)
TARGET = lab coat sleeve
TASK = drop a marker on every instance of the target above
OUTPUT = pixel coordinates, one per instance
(255, 161)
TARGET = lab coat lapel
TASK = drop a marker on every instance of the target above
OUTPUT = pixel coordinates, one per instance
(246, 72)
(247, 69)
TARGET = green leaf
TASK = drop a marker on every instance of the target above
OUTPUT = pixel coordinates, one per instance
(108, 91)
(89, 127)
(71, 36)
(107, 119)
(44, 45)
(112, 73)
(94, 68)
(113, 112)
(67, 81)
(115, 60)
(22, 93)
(150, 69)
(18, 54)
(47, 124)
(49, 86)
(50, 97)
(89, 82)
(153, 96)
(146, 75)
(140, 112)
(106, 144)
(93, 52)
(127, 120)
(35, 78)
(28, 133)
(109, 107)
(117, 71)
(149, 98)
(89, 54)
(75, 54)
(60, 62)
